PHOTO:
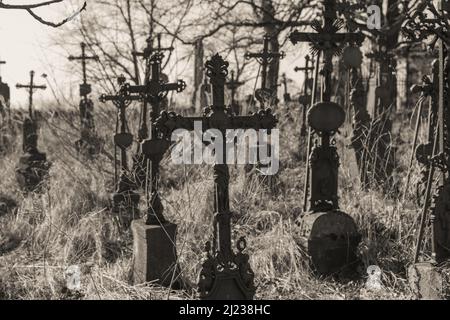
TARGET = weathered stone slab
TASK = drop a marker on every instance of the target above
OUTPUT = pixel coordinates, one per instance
(155, 256)
(426, 281)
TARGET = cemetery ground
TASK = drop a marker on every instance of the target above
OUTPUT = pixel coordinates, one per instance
(71, 224)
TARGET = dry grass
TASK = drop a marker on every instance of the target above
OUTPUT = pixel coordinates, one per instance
(71, 224)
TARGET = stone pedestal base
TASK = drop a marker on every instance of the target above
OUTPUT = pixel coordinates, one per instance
(331, 240)
(425, 281)
(89, 146)
(125, 206)
(31, 170)
(155, 256)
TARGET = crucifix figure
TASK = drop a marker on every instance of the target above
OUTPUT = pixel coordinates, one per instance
(264, 95)
(88, 140)
(324, 118)
(153, 77)
(225, 274)
(33, 166)
(286, 96)
(305, 96)
(125, 200)
(233, 85)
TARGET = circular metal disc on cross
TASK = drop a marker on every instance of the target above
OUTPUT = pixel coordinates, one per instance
(326, 116)
(352, 57)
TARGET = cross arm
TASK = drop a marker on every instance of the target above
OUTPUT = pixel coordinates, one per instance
(71, 58)
(119, 98)
(263, 119)
(168, 122)
(21, 86)
(297, 69)
(155, 88)
(342, 38)
(250, 55)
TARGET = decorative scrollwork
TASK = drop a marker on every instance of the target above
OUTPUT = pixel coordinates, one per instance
(217, 69)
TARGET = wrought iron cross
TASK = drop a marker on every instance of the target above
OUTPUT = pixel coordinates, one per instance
(122, 100)
(151, 149)
(85, 88)
(31, 87)
(225, 275)
(151, 62)
(264, 58)
(233, 85)
(149, 50)
(327, 40)
(124, 197)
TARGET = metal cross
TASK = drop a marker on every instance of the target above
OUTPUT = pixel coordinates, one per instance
(264, 58)
(151, 151)
(327, 40)
(229, 274)
(149, 50)
(85, 88)
(233, 85)
(153, 59)
(124, 197)
(305, 97)
(31, 87)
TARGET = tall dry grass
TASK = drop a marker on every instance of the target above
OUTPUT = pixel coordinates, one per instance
(71, 223)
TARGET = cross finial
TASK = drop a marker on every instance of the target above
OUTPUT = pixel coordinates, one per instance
(217, 70)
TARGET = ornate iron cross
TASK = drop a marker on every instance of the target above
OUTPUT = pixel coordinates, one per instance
(31, 87)
(330, 42)
(85, 88)
(124, 196)
(233, 85)
(327, 40)
(154, 91)
(419, 26)
(264, 58)
(150, 63)
(225, 275)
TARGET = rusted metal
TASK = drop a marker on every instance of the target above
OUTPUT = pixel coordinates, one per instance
(88, 143)
(264, 94)
(33, 166)
(225, 274)
(329, 235)
(125, 199)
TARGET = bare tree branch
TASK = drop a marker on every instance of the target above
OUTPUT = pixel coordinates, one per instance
(30, 7)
